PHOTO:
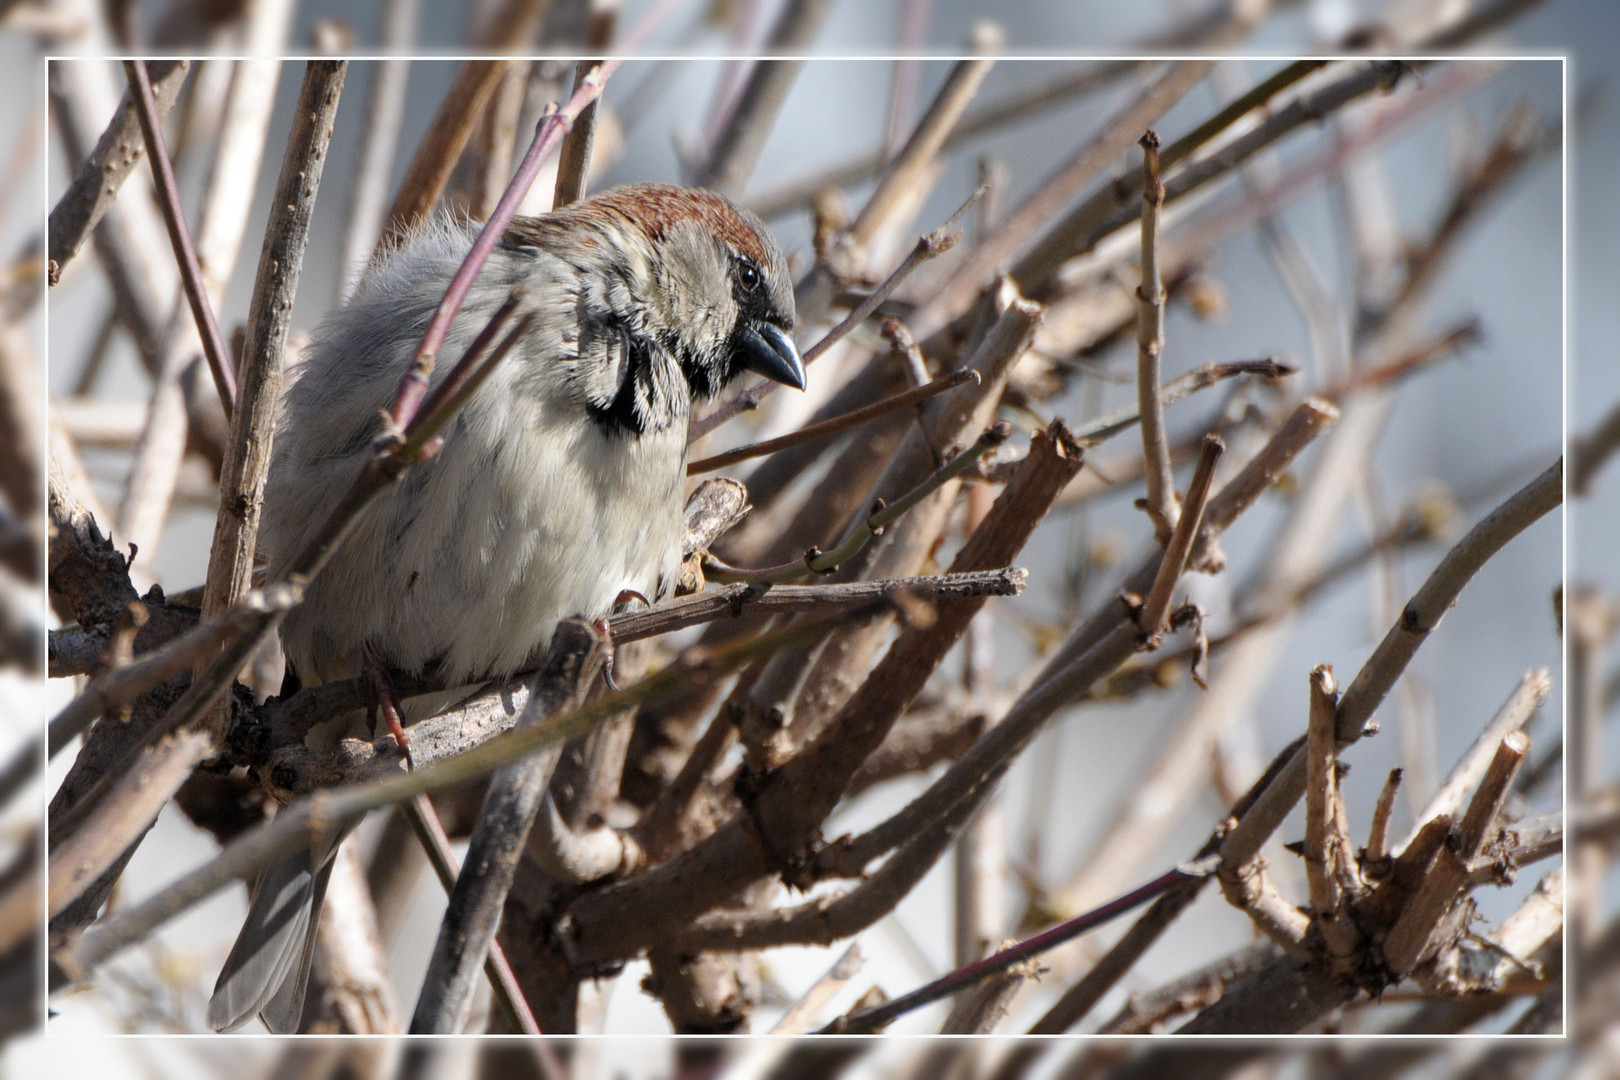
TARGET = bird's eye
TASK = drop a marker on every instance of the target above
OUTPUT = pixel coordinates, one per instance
(748, 274)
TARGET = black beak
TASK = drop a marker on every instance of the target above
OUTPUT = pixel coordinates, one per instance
(765, 349)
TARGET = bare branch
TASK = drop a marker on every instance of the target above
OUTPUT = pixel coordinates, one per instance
(737, 148)
(796, 1020)
(920, 150)
(577, 655)
(1515, 713)
(191, 275)
(874, 1019)
(1423, 612)
(436, 843)
(1161, 506)
(96, 184)
(1154, 617)
(1144, 108)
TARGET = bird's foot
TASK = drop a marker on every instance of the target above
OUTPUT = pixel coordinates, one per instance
(381, 695)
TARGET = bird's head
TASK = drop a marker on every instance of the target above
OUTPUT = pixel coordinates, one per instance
(678, 284)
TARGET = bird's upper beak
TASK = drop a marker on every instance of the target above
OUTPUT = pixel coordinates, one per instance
(766, 349)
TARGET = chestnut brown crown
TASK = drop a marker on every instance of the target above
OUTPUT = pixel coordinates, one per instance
(683, 289)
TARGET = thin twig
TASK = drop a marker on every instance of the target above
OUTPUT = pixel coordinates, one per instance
(436, 842)
(548, 132)
(137, 795)
(1589, 452)
(155, 471)
(117, 153)
(457, 117)
(1084, 226)
(743, 598)
(1321, 793)
(918, 155)
(574, 158)
(1514, 714)
(247, 462)
(835, 425)
(960, 979)
(796, 1019)
(1142, 1013)
(1161, 505)
(1082, 997)
(191, 275)
(1378, 832)
(1020, 107)
(821, 562)
(736, 150)
(1118, 132)
(1426, 607)
(1100, 430)
(1154, 617)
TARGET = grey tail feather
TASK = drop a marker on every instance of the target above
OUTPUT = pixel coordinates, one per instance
(283, 1013)
(268, 967)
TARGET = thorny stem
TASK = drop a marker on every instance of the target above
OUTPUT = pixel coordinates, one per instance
(823, 562)
(185, 252)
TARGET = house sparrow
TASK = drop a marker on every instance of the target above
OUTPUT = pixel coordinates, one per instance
(557, 489)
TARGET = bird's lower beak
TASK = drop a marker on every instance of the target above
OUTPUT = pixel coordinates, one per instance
(765, 349)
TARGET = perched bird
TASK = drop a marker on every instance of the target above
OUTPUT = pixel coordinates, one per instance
(557, 489)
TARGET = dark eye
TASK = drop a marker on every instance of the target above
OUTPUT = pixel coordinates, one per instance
(747, 275)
